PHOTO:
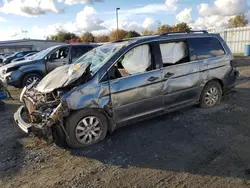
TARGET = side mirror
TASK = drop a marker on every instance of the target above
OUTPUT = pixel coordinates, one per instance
(48, 58)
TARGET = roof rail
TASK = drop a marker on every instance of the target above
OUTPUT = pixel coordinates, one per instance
(188, 32)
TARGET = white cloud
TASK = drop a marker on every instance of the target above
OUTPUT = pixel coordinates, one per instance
(224, 8)
(214, 21)
(100, 32)
(73, 2)
(185, 15)
(172, 4)
(2, 19)
(131, 26)
(86, 21)
(29, 7)
(218, 14)
(13, 33)
(151, 24)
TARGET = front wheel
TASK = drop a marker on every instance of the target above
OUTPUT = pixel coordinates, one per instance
(30, 78)
(85, 128)
(211, 95)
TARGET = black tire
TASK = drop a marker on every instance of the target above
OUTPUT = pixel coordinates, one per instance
(59, 136)
(28, 76)
(207, 88)
(75, 118)
(2, 105)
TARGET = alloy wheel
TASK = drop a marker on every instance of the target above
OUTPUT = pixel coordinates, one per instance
(212, 96)
(88, 130)
(31, 80)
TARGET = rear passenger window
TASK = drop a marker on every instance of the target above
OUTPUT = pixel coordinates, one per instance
(204, 48)
(174, 53)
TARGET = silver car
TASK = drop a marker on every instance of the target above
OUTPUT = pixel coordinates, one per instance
(126, 81)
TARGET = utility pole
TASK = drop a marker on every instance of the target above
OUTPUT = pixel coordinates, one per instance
(117, 30)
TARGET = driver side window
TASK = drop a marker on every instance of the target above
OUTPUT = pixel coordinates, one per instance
(137, 60)
(60, 53)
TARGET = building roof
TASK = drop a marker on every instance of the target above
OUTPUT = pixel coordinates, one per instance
(14, 46)
(25, 40)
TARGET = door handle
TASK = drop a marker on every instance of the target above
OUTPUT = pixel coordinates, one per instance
(169, 74)
(153, 78)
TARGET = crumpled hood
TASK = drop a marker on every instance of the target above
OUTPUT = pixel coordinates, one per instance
(61, 77)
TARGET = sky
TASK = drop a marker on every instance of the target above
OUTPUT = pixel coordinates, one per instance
(38, 19)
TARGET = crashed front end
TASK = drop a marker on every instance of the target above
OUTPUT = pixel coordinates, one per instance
(43, 107)
(41, 112)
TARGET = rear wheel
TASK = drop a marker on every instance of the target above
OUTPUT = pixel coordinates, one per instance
(85, 128)
(30, 78)
(211, 95)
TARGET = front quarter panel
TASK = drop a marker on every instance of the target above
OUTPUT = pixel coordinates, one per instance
(90, 95)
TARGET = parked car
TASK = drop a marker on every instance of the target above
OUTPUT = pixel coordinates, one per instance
(126, 81)
(24, 57)
(3, 55)
(8, 59)
(23, 73)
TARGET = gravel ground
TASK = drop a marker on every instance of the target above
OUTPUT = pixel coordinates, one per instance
(189, 148)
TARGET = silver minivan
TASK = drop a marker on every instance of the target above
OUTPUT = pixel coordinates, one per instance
(126, 81)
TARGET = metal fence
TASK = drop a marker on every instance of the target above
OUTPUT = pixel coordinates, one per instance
(236, 38)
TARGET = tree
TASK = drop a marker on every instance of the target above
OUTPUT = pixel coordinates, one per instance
(121, 35)
(63, 36)
(181, 27)
(238, 21)
(88, 37)
(132, 34)
(147, 32)
(164, 29)
(102, 38)
(77, 40)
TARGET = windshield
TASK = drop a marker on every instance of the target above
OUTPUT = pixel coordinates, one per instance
(43, 53)
(100, 55)
(34, 55)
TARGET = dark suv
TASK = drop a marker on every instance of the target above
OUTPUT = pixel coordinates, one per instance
(126, 81)
(23, 73)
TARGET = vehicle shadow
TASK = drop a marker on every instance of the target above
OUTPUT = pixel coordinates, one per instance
(199, 141)
(11, 155)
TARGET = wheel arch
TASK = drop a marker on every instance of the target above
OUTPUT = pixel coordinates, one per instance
(212, 80)
(222, 84)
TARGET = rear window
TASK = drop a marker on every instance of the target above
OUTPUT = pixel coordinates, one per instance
(204, 48)
(78, 51)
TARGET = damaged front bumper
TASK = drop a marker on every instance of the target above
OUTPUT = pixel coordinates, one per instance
(43, 130)
(18, 116)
